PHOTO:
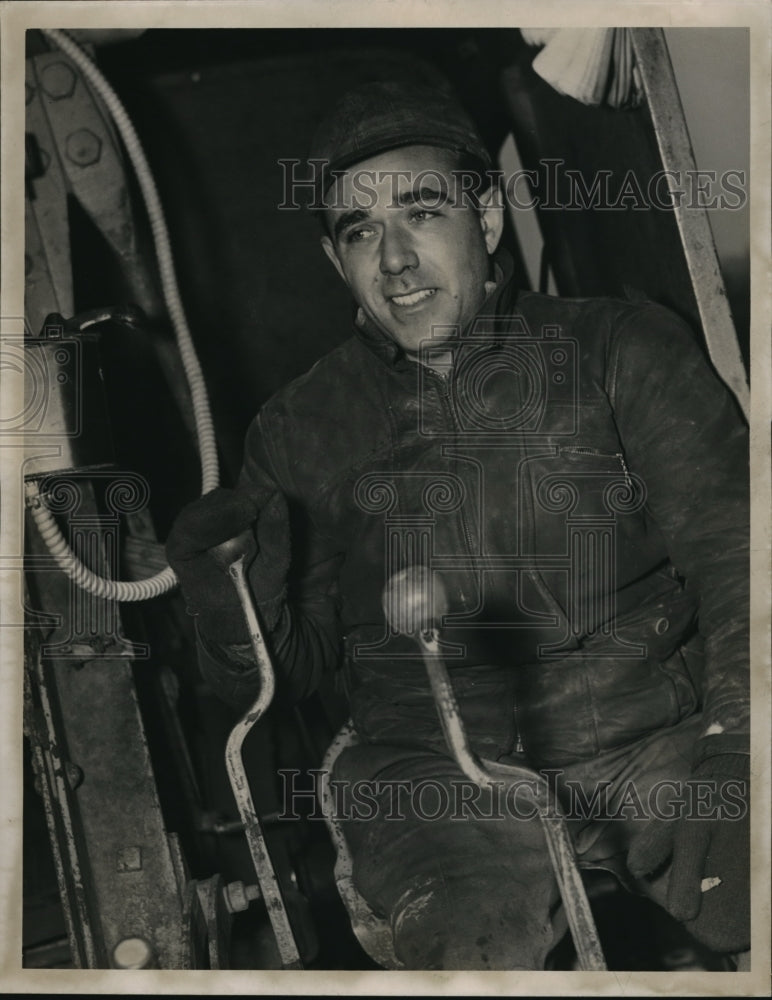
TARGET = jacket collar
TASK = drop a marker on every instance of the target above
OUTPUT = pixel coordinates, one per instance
(499, 302)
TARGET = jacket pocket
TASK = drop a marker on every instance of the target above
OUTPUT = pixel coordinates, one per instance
(609, 465)
(583, 481)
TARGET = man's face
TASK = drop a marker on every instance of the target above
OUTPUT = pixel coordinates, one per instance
(413, 259)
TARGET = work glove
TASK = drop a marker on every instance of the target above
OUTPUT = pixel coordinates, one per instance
(208, 590)
(709, 886)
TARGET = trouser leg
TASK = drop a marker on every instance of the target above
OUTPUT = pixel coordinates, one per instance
(464, 885)
(479, 892)
(645, 783)
(611, 799)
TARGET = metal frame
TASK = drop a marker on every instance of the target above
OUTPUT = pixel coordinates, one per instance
(675, 149)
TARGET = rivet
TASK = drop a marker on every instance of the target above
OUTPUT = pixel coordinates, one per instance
(133, 953)
(83, 147)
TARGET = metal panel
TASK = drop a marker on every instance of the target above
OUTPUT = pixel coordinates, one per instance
(118, 873)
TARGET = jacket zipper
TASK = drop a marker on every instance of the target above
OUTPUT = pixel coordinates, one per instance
(444, 394)
(625, 470)
(519, 748)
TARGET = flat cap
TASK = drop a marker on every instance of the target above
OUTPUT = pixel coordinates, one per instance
(384, 115)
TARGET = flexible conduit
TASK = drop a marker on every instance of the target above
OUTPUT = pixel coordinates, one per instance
(68, 562)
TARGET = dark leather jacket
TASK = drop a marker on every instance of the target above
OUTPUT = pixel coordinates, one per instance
(578, 478)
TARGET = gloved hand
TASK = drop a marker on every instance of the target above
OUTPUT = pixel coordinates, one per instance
(208, 590)
(717, 914)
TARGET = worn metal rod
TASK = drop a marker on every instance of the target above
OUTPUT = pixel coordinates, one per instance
(675, 149)
(264, 870)
(561, 850)
(578, 912)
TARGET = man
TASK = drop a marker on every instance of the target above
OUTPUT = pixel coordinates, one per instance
(574, 476)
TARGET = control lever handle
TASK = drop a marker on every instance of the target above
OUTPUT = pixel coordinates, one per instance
(239, 547)
(233, 556)
(414, 603)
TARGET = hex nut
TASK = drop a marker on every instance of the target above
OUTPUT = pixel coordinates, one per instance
(235, 897)
(83, 147)
(58, 80)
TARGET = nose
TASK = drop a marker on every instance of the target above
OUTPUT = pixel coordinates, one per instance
(397, 251)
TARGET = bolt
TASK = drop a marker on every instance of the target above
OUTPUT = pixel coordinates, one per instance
(228, 826)
(133, 953)
(58, 80)
(74, 774)
(83, 147)
(238, 896)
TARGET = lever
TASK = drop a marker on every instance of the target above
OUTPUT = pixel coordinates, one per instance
(414, 602)
(233, 556)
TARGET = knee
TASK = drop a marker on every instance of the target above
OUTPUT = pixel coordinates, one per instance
(436, 926)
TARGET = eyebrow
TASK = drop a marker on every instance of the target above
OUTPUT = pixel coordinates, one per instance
(409, 197)
(430, 194)
(349, 219)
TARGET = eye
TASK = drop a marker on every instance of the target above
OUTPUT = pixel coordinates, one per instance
(422, 214)
(357, 235)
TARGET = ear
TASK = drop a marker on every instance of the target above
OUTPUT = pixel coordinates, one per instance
(492, 217)
(329, 249)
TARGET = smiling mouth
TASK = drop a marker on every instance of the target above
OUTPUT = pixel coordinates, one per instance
(413, 298)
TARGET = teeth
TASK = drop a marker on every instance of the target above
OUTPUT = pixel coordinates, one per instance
(410, 300)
